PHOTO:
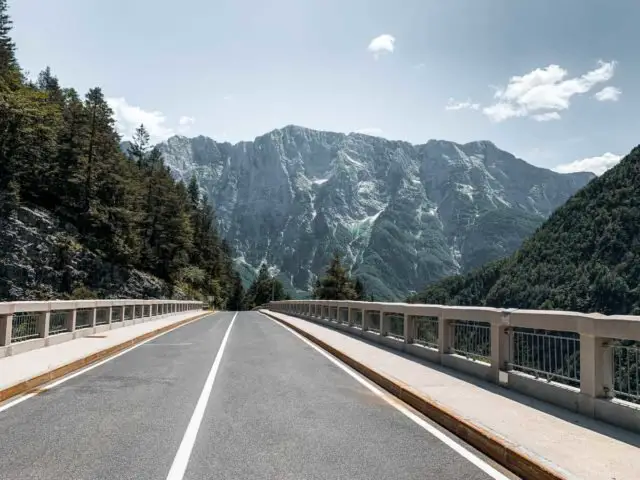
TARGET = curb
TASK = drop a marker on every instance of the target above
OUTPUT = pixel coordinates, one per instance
(31, 384)
(496, 448)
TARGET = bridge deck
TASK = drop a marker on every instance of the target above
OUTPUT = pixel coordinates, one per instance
(571, 444)
(228, 397)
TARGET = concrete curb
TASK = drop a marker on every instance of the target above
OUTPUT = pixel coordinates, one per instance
(494, 447)
(33, 383)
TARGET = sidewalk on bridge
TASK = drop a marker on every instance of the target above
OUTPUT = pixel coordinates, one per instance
(17, 369)
(574, 446)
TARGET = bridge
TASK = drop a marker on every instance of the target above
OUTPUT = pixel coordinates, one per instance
(130, 389)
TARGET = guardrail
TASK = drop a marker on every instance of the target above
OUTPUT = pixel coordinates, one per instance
(588, 363)
(26, 326)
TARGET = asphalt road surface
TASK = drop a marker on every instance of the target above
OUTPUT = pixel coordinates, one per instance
(231, 396)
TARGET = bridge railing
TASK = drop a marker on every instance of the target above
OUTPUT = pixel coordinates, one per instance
(28, 325)
(589, 363)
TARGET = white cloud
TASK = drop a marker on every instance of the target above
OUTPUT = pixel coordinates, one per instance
(228, 97)
(129, 117)
(384, 43)
(420, 66)
(544, 89)
(501, 111)
(468, 105)
(546, 117)
(597, 165)
(608, 94)
(375, 131)
(185, 123)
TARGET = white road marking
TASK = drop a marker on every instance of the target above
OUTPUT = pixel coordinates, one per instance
(478, 462)
(49, 386)
(181, 460)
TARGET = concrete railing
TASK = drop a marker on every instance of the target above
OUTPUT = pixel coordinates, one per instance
(588, 363)
(26, 326)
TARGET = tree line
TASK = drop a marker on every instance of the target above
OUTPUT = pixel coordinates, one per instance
(61, 151)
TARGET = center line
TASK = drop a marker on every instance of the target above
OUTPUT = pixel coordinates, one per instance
(181, 460)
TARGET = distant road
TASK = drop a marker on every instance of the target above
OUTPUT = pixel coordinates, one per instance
(265, 406)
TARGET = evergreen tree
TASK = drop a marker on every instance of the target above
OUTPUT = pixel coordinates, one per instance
(237, 299)
(358, 287)
(194, 192)
(264, 289)
(139, 147)
(7, 47)
(50, 85)
(336, 284)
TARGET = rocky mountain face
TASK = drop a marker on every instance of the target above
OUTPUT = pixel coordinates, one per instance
(41, 257)
(402, 215)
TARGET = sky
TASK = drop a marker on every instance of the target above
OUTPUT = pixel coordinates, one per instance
(553, 82)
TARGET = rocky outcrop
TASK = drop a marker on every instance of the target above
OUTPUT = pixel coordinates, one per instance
(403, 215)
(43, 258)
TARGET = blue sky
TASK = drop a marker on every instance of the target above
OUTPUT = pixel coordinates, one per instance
(554, 82)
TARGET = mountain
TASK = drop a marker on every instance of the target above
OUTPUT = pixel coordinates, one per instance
(585, 257)
(403, 215)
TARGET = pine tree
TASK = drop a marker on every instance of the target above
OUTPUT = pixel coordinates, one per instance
(50, 85)
(8, 61)
(264, 289)
(194, 192)
(358, 287)
(237, 299)
(100, 121)
(139, 147)
(336, 284)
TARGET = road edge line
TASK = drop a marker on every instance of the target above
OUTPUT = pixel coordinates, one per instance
(494, 447)
(31, 384)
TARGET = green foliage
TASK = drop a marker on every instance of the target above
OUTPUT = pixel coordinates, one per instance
(585, 257)
(62, 153)
(7, 47)
(337, 284)
(82, 293)
(237, 300)
(264, 289)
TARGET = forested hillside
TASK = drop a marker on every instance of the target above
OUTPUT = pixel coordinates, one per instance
(59, 151)
(585, 258)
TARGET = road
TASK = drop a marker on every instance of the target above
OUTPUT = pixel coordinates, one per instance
(232, 396)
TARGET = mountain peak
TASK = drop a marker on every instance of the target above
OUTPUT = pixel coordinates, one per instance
(294, 195)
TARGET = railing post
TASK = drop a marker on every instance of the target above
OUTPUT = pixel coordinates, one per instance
(109, 316)
(444, 335)
(365, 320)
(384, 324)
(596, 371)
(122, 313)
(6, 324)
(409, 328)
(500, 350)
(94, 317)
(71, 320)
(43, 324)
(350, 316)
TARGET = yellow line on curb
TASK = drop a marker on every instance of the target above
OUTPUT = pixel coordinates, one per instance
(496, 448)
(32, 384)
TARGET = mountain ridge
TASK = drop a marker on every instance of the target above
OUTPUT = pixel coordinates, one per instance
(403, 215)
